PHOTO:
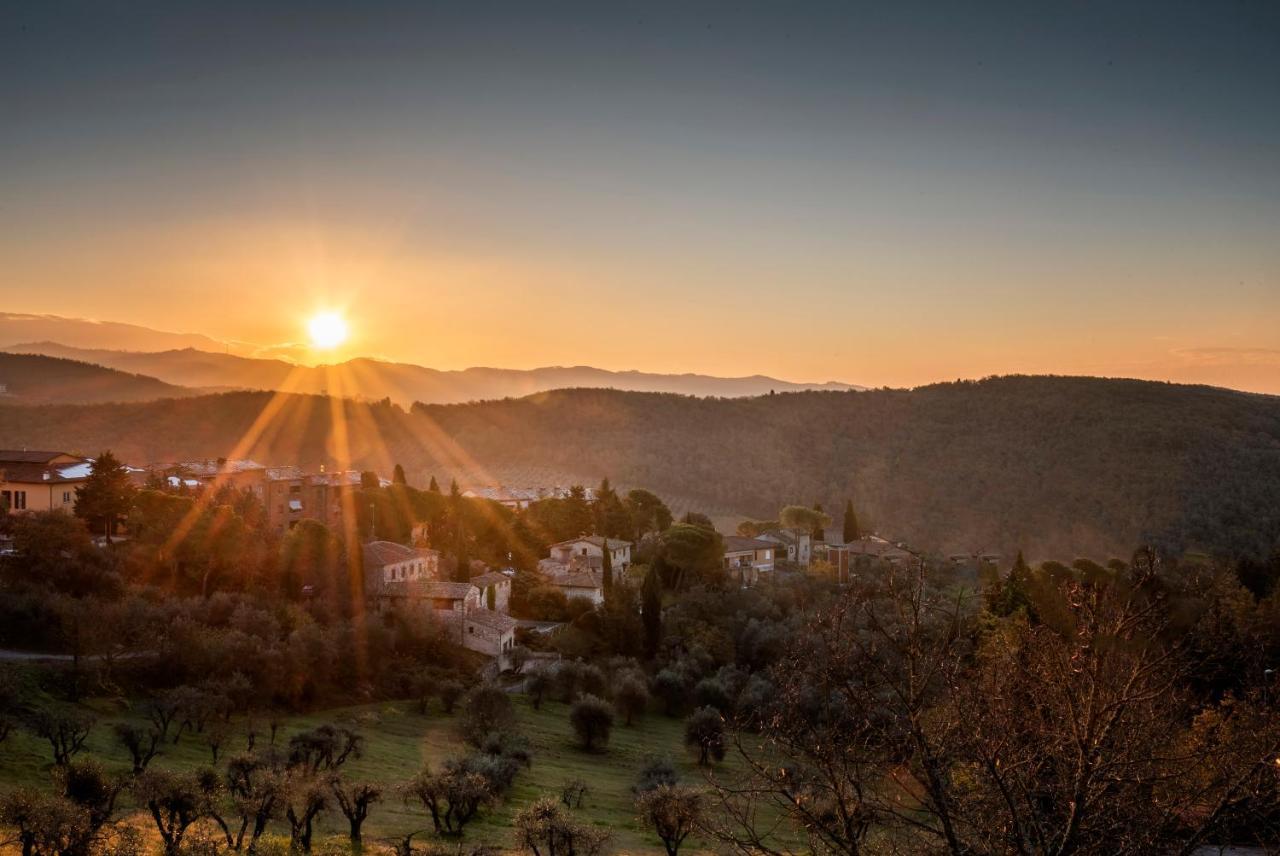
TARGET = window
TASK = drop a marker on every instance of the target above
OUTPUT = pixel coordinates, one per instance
(66, 497)
(6, 498)
(19, 499)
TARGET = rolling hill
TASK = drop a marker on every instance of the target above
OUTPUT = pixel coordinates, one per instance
(1057, 466)
(403, 383)
(32, 379)
(18, 327)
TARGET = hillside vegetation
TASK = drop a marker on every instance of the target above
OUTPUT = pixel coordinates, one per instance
(36, 379)
(403, 383)
(397, 741)
(1051, 465)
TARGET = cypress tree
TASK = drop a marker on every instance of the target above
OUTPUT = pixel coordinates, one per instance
(397, 475)
(651, 609)
(462, 573)
(851, 531)
(606, 570)
(106, 495)
(819, 534)
(434, 487)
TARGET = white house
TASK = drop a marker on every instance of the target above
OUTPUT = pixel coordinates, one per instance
(796, 547)
(747, 558)
(500, 584)
(389, 562)
(489, 633)
(588, 551)
(584, 584)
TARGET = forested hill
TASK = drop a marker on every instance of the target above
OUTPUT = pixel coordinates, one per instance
(1049, 464)
(1052, 465)
(37, 379)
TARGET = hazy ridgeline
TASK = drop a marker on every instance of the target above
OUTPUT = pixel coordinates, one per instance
(1055, 466)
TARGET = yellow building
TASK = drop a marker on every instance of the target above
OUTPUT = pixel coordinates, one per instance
(40, 480)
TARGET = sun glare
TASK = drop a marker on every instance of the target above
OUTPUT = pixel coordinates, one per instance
(328, 330)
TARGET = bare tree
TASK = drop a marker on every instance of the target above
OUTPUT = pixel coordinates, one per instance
(354, 799)
(674, 812)
(142, 743)
(175, 802)
(305, 797)
(900, 712)
(66, 732)
(546, 828)
(452, 797)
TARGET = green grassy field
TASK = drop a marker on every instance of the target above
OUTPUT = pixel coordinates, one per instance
(398, 740)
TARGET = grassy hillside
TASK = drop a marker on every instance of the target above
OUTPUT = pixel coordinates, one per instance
(1051, 465)
(36, 379)
(399, 740)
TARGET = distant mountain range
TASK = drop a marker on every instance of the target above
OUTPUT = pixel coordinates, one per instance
(403, 383)
(1056, 466)
(34, 379)
(18, 327)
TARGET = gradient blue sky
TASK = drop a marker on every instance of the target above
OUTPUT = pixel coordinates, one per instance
(880, 193)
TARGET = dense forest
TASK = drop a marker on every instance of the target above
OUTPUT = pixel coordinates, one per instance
(1050, 465)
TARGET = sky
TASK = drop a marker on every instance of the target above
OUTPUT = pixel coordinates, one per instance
(883, 194)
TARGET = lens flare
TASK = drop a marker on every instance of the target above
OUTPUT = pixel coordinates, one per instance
(328, 330)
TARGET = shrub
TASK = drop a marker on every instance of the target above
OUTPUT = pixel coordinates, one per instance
(655, 772)
(547, 828)
(670, 687)
(537, 684)
(709, 692)
(631, 696)
(449, 692)
(704, 731)
(592, 720)
(487, 709)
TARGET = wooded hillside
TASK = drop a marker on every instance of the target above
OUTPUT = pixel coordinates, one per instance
(1050, 465)
(36, 379)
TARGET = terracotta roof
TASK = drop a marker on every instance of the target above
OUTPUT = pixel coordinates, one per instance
(874, 547)
(210, 469)
(738, 544)
(614, 543)
(32, 473)
(493, 620)
(28, 456)
(378, 554)
(579, 581)
(444, 590)
(490, 579)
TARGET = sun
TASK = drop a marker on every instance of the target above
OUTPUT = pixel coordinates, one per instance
(327, 329)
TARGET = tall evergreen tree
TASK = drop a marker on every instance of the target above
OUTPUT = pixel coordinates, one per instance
(397, 475)
(851, 530)
(651, 609)
(606, 570)
(462, 558)
(434, 487)
(106, 495)
(819, 534)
